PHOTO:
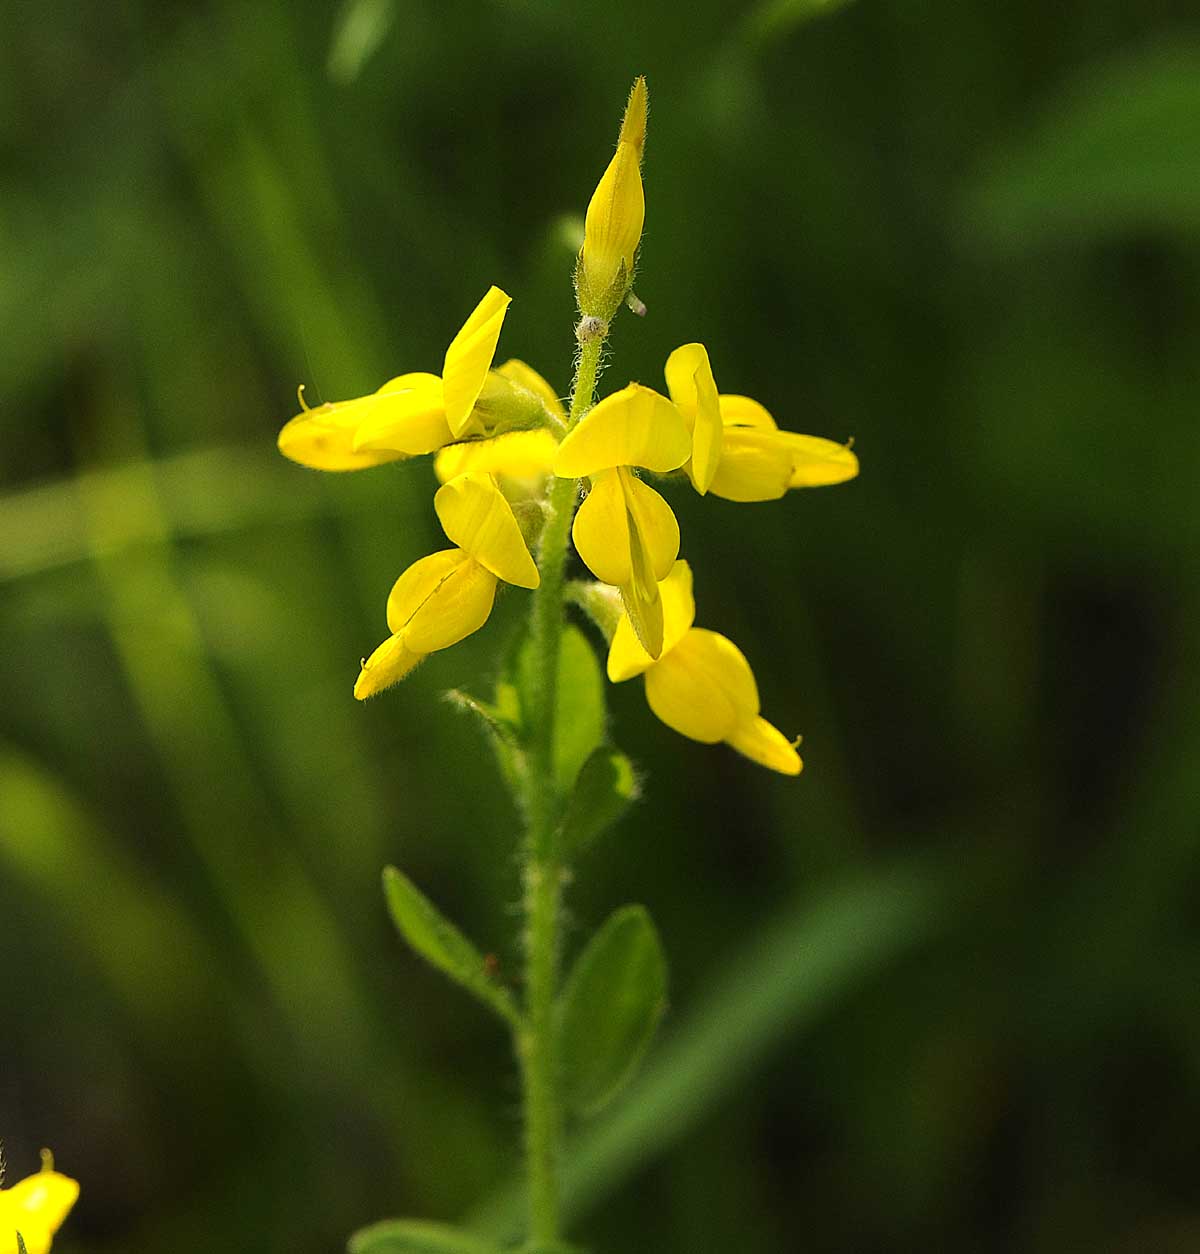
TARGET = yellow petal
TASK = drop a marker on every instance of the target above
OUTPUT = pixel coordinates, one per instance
(408, 417)
(440, 600)
(653, 521)
(766, 745)
(527, 377)
(620, 518)
(616, 213)
(458, 606)
(626, 657)
(323, 438)
(36, 1206)
(643, 606)
(755, 466)
(601, 530)
(418, 584)
(476, 516)
(694, 391)
(633, 427)
(520, 455)
(703, 688)
(741, 411)
(817, 462)
(386, 666)
(469, 357)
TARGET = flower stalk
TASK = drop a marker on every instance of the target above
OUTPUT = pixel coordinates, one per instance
(543, 870)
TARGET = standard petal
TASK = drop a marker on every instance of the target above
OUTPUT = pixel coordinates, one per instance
(458, 606)
(476, 516)
(386, 666)
(703, 688)
(766, 745)
(323, 438)
(633, 427)
(694, 391)
(653, 520)
(817, 462)
(626, 657)
(469, 357)
(418, 583)
(755, 466)
(741, 411)
(408, 416)
(527, 377)
(601, 530)
(516, 455)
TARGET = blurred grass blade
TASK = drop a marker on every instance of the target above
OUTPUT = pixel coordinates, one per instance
(362, 26)
(441, 944)
(772, 19)
(417, 1236)
(610, 1008)
(782, 982)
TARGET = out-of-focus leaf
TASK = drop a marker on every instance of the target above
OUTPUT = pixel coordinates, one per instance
(441, 944)
(1118, 151)
(417, 1236)
(362, 26)
(610, 1007)
(580, 712)
(604, 789)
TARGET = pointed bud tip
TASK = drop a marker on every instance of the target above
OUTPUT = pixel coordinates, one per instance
(633, 125)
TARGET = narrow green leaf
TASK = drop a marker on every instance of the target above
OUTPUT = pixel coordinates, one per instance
(610, 1008)
(417, 1236)
(441, 944)
(502, 732)
(604, 789)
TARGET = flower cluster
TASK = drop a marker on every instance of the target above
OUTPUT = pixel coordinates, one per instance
(501, 437)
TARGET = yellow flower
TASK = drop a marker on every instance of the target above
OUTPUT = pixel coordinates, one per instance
(701, 686)
(624, 531)
(612, 227)
(35, 1207)
(523, 456)
(418, 413)
(738, 451)
(441, 599)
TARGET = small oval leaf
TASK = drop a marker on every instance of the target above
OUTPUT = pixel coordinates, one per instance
(417, 1236)
(441, 944)
(610, 1008)
(604, 789)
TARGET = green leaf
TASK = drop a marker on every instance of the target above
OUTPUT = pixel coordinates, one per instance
(610, 1008)
(604, 789)
(417, 1236)
(579, 711)
(502, 732)
(441, 944)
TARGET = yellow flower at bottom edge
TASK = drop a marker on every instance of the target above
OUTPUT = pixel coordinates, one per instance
(445, 597)
(35, 1207)
(701, 686)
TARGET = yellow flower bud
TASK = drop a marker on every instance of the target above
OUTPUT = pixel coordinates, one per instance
(612, 228)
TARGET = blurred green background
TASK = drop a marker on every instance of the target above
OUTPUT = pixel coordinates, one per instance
(940, 993)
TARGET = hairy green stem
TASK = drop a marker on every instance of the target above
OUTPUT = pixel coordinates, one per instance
(543, 869)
